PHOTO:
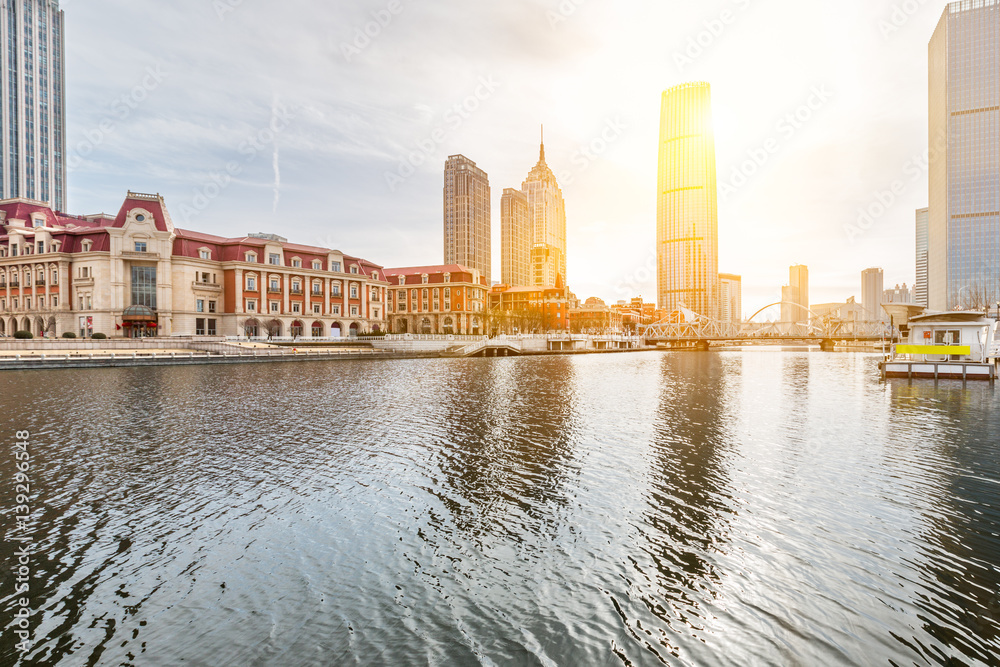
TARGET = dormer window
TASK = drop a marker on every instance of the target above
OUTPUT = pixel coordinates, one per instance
(205, 253)
(87, 245)
(402, 280)
(274, 259)
(296, 263)
(374, 275)
(41, 247)
(354, 269)
(335, 267)
(38, 221)
(251, 258)
(425, 279)
(317, 265)
(447, 277)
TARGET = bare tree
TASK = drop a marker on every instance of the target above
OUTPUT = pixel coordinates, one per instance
(46, 324)
(251, 327)
(272, 328)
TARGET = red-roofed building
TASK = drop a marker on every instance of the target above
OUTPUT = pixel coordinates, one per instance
(135, 274)
(445, 299)
(532, 309)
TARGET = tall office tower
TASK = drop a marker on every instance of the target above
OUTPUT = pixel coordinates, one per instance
(515, 238)
(467, 215)
(964, 228)
(920, 288)
(33, 139)
(547, 214)
(871, 295)
(687, 234)
(730, 298)
(795, 296)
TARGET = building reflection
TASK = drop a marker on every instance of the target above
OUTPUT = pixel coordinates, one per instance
(959, 598)
(689, 508)
(508, 453)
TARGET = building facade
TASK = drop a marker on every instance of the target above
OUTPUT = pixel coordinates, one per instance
(529, 309)
(920, 287)
(447, 300)
(687, 203)
(872, 281)
(467, 216)
(595, 317)
(136, 275)
(545, 255)
(898, 294)
(515, 238)
(730, 298)
(795, 297)
(33, 138)
(964, 216)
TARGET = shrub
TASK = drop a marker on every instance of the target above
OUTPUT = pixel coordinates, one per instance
(68, 334)
(23, 335)
(99, 336)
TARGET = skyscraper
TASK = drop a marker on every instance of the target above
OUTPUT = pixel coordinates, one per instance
(544, 254)
(871, 295)
(920, 288)
(33, 137)
(795, 297)
(964, 219)
(687, 236)
(730, 298)
(515, 238)
(467, 215)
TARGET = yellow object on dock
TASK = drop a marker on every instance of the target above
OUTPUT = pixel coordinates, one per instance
(958, 350)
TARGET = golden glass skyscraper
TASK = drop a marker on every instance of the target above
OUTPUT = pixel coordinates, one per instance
(467, 216)
(963, 258)
(687, 239)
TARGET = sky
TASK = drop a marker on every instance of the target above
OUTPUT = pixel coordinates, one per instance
(329, 123)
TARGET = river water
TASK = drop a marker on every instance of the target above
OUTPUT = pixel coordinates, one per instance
(724, 508)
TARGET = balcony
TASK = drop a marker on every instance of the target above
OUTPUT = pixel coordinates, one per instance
(274, 290)
(206, 287)
(132, 254)
(39, 283)
(296, 292)
(83, 282)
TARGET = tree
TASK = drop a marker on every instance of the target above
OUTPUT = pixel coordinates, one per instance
(250, 327)
(46, 324)
(272, 328)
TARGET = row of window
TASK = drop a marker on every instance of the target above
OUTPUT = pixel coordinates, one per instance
(29, 248)
(317, 309)
(274, 286)
(274, 259)
(15, 277)
(39, 302)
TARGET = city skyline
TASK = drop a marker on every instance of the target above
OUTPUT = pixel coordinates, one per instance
(336, 145)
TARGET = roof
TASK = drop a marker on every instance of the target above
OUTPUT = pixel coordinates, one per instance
(952, 317)
(420, 270)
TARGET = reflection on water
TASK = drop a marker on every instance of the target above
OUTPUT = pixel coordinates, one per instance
(756, 507)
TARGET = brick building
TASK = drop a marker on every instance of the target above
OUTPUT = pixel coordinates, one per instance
(445, 299)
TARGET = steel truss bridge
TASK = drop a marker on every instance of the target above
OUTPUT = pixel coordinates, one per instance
(824, 330)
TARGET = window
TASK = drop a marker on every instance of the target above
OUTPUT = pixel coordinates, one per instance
(274, 306)
(447, 277)
(3, 304)
(402, 280)
(13, 250)
(55, 301)
(87, 245)
(199, 306)
(425, 279)
(374, 294)
(274, 259)
(317, 289)
(251, 258)
(80, 298)
(335, 267)
(27, 302)
(14, 302)
(205, 254)
(316, 309)
(374, 275)
(41, 247)
(140, 246)
(213, 330)
(274, 286)
(55, 276)
(354, 291)
(90, 302)
(251, 306)
(336, 310)
(199, 326)
(296, 307)
(336, 290)
(354, 311)
(296, 287)
(317, 265)
(206, 278)
(144, 286)
(251, 284)
(354, 269)
(297, 263)
(211, 306)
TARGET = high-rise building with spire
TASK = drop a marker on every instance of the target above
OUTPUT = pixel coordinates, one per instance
(687, 250)
(545, 254)
(467, 216)
(33, 87)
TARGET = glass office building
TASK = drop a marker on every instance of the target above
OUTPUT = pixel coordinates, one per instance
(964, 216)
